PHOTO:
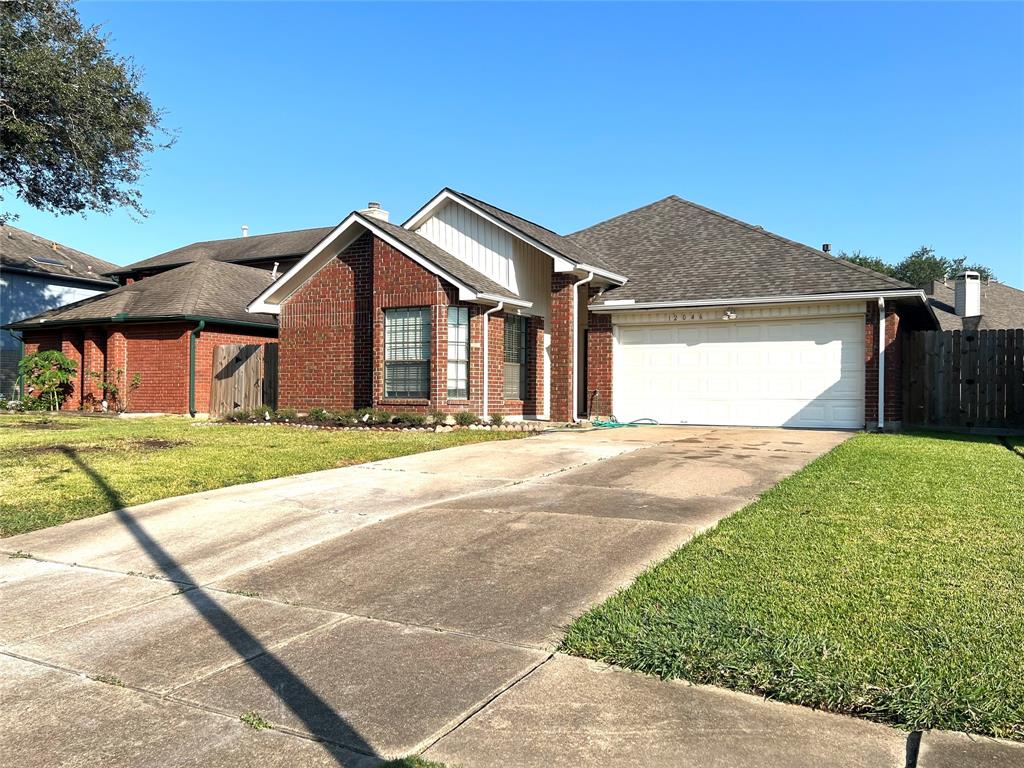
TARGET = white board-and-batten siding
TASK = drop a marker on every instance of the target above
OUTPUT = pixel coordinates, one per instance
(492, 251)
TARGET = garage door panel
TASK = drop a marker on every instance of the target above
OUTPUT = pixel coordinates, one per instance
(806, 373)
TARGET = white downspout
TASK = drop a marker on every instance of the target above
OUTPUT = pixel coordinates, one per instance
(487, 361)
(576, 345)
(881, 363)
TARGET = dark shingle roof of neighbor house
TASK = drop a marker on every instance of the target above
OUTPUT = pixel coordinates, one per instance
(25, 252)
(1002, 306)
(674, 250)
(564, 246)
(204, 289)
(236, 249)
(458, 269)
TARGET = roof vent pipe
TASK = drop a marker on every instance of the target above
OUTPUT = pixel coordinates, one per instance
(374, 211)
(967, 294)
(245, 230)
(826, 247)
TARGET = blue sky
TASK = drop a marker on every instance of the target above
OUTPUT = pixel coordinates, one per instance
(877, 127)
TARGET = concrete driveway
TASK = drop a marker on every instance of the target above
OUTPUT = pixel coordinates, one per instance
(389, 608)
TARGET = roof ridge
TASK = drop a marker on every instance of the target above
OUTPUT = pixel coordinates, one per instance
(504, 210)
(196, 285)
(624, 213)
(788, 241)
(592, 258)
(251, 237)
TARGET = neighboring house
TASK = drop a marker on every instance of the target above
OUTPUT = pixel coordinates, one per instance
(199, 291)
(277, 251)
(163, 328)
(672, 311)
(968, 303)
(37, 274)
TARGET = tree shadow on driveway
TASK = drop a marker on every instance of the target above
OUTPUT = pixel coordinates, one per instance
(312, 710)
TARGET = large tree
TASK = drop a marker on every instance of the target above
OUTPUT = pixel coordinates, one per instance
(923, 266)
(871, 262)
(75, 125)
(920, 267)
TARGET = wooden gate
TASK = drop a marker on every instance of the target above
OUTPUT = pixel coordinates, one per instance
(244, 376)
(964, 379)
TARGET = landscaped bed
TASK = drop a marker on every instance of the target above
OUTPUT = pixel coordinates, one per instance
(46, 460)
(885, 580)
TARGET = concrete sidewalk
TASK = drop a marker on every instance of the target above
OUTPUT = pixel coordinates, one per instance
(407, 605)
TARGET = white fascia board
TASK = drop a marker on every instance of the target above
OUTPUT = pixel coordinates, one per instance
(865, 295)
(264, 304)
(561, 263)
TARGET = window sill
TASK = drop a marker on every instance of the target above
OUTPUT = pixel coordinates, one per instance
(405, 401)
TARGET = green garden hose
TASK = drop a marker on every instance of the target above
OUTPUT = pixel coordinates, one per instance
(613, 424)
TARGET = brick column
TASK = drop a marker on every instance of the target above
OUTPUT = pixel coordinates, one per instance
(893, 367)
(71, 348)
(93, 360)
(561, 346)
(599, 365)
(117, 353)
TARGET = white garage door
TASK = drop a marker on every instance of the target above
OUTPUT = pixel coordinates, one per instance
(795, 373)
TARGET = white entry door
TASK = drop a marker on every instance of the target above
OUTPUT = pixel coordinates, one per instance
(794, 373)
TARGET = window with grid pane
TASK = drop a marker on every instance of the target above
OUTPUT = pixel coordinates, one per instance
(458, 352)
(407, 352)
(516, 366)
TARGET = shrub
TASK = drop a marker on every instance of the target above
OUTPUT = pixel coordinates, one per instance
(47, 376)
(465, 418)
(115, 388)
(411, 419)
(286, 414)
(497, 419)
(373, 416)
(238, 415)
(263, 413)
(318, 414)
(347, 418)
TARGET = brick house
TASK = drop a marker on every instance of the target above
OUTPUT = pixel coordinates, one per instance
(672, 311)
(163, 328)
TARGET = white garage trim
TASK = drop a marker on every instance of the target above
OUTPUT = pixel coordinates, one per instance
(795, 365)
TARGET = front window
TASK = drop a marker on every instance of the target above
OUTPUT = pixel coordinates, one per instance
(458, 353)
(407, 352)
(516, 367)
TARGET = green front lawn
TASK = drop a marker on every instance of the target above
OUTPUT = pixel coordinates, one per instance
(46, 461)
(885, 580)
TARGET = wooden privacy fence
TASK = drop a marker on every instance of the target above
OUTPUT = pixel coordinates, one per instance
(967, 379)
(244, 376)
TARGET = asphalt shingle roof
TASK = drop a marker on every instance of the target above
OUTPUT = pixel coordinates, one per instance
(236, 249)
(675, 250)
(26, 252)
(458, 269)
(1002, 306)
(563, 246)
(209, 289)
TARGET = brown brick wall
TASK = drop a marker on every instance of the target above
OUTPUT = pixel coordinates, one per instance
(159, 353)
(326, 335)
(893, 366)
(332, 337)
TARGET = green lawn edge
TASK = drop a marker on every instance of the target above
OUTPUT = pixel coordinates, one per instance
(885, 580)
(55, 468)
